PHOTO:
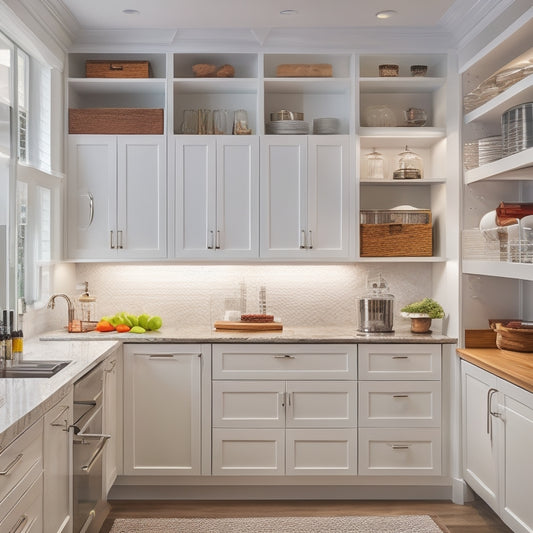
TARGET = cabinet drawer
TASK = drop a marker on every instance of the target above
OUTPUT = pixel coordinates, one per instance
(402, 452)
(20, 457)
(399, 404)
(248, 452)
(285, 361)
(329, 452)
(27, 515)
(399, 361)
(249, 404)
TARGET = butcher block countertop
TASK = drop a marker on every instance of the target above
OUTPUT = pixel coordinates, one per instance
(515, 367)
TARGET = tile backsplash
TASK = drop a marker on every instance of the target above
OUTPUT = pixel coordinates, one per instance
(194, 295)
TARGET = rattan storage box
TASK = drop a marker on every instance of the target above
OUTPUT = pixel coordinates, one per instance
(396, 233)
(107, 68)
(116, 121)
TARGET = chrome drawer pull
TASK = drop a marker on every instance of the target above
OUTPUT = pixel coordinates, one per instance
(100, 448)
(400, 446)
(21, 523)
(55, 423)
(400, 357)
(400, 395)
(12, 465)
(285, 356)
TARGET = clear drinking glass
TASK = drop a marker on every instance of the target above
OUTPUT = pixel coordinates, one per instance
(190, 122)
(240, 123)
(221, 123)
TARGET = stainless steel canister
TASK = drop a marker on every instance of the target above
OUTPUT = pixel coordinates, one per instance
(376, 313)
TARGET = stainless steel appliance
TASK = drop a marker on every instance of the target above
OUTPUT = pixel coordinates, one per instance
(376, 308)
(89, 506)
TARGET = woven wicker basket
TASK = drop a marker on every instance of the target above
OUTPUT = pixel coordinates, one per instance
(514, 339)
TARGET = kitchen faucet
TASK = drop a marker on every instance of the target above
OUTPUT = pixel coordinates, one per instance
(51, 305)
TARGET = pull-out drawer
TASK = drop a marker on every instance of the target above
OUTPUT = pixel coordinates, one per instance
(399, 361)
(401, 452)
(399, 404)
(27, 514)
(285, 361)
(22, 456)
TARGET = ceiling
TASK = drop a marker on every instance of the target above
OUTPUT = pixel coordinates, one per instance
(432, 24)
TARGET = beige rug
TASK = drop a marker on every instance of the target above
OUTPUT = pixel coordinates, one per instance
(280, 524)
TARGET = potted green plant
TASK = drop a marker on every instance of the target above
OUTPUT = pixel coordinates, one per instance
(421, 313)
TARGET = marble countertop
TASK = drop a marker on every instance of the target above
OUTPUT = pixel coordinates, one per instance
(24, 400)
(289, 334)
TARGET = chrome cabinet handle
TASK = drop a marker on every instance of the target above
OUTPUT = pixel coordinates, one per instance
(310, 240)
(12, 465)
(120, 244)
(99, 449)
(284, 356)
(400, 395)
(400, 357)
(490, 412)
(91, 208)
(54, 422)
(211, 240)
(302, 239)
(20, 525)
(400, 446)
(217, 240)
(111, 245)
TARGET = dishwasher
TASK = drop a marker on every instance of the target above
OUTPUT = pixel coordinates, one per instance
(88, 443)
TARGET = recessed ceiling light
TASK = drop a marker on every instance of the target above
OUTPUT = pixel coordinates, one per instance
(131, 12)
(387, 14)
(288, 12)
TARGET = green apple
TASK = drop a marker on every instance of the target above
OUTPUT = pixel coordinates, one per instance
(154, 323)
(143, 320)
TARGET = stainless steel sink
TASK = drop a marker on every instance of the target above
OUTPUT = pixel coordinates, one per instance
(33, 369)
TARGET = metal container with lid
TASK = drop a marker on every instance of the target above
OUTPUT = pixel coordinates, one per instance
(376, 308)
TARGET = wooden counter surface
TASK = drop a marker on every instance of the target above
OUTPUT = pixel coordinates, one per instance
(516, 367)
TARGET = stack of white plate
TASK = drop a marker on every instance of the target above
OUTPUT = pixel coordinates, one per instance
(287, 127)
(325, 126)
(517, 128)
(490, 149)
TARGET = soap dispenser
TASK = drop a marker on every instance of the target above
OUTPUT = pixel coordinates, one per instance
(87, 305)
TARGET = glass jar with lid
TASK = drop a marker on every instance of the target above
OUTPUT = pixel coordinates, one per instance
(375, 165)
(409, 165)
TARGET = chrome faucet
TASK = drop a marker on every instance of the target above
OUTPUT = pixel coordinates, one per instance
(51, 305)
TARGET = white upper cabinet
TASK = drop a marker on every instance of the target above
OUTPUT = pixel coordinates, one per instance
(217, 196)
(305, 197)
(117, 197)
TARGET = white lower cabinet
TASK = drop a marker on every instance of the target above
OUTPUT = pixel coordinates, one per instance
(305, 425)
(497, 437)
(162, 408)
(58, 467)
(21, 482)
(400, 410)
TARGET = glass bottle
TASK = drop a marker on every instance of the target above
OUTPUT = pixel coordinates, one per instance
(375, 165)
(409, 166)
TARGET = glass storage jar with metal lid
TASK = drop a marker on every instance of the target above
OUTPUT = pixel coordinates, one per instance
(409, 166)
(376, 308)
(375, 165)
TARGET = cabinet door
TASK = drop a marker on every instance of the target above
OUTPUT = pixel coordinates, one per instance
(481, 433)
(92, 196)
(324, 452)
(248, 452)
(258, 404)
(57, 467)
(516, 508)
(237, 208)
(162, 418)
(283, 196)
(141, 197)
(195, 177)
(328, 206)
(321, 404)
(112, 420)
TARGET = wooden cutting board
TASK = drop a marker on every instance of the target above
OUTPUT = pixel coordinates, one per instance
(249, 326)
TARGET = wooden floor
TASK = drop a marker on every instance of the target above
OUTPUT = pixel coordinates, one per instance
(474, 517)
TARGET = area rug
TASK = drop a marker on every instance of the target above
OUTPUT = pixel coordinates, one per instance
(280, 524)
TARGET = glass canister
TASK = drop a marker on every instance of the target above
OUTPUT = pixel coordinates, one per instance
(376, 308)
(87, 305)
(375, 165)
(409, 166)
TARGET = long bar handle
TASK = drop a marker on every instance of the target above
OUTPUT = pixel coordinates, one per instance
(490, 413)
(302, 240)
(400, 446)
(12, 465)
(400, 357)
(111, 245)
(400, 395)
(99, 449)
(120, 239)
(91, 208)
(217, 240)
(211, 240)
(54, 422)
(284, 356)
(310, 240)
(20, 525)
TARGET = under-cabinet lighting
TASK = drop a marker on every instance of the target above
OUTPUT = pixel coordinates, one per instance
(387, 14)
